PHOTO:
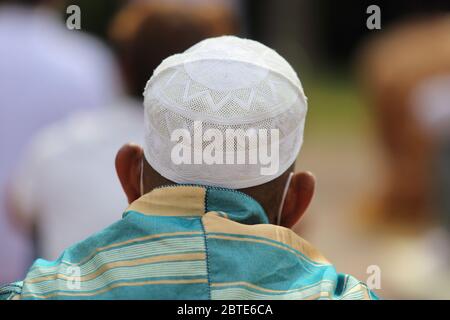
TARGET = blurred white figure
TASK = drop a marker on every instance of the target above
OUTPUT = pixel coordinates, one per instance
(46, 72)
(431, 103)
(68, 168)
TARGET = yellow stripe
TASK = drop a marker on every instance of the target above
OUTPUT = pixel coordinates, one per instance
(179, 201)
(237, 293)
(256, 241)
(253, 286)
(116, 285)
(129, 263)
(216, 224)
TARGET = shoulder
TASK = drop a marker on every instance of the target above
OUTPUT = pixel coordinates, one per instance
(276, 236)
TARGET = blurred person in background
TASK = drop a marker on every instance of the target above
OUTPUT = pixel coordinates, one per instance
(67, 185)
(406, 73)
(393, 65)
(46, 72)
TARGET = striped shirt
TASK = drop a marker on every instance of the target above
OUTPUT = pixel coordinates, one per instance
(189, 242)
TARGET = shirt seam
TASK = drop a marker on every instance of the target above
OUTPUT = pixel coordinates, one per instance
(206, 259)
(205, 239)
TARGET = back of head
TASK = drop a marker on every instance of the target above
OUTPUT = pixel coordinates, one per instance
(227, 112)
(146, 33)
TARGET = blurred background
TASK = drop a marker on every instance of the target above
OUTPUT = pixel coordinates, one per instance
(377, 133)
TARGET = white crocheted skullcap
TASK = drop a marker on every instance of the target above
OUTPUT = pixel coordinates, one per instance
(224, 83)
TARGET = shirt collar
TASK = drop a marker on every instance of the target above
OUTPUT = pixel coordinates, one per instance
(196, 200)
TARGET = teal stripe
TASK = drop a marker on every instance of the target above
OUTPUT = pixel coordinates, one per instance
(239, 206)
(275, 269)
(301, 254)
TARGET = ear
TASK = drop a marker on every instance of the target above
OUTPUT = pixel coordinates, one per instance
(298, 198)
(128, 167)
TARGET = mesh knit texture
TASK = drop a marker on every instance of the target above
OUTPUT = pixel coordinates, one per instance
(226, 83)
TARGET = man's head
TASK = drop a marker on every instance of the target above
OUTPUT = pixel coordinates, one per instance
(227, 112)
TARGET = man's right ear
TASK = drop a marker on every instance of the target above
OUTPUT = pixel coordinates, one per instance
(128, 168)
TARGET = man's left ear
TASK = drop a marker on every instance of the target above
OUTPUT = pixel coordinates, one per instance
(298, 198)
(128, 167)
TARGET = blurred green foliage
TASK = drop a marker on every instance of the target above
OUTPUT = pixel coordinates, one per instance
(335, 104)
